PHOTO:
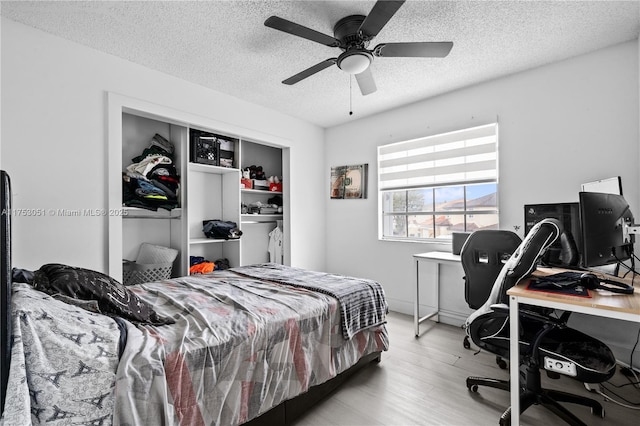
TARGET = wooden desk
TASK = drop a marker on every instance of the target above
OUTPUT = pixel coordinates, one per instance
(601, 303)
(435, 257)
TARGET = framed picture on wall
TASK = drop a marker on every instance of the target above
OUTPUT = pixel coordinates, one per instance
(349, 182)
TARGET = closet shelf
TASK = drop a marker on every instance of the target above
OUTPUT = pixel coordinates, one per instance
(204, 240)
(257, 217)
(206, 168)
(260, 191)
(138, 213)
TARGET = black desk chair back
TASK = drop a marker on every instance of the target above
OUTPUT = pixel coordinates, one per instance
(544, 341)
(482, 256)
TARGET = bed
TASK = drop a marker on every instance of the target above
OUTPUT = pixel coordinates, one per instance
(257, 344)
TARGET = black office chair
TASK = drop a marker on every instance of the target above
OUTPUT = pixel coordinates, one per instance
(543, 339)
(483, 255)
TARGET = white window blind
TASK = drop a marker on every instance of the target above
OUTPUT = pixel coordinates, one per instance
(461, 157)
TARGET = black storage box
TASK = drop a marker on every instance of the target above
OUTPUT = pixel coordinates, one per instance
(204, 148)
(211, 148)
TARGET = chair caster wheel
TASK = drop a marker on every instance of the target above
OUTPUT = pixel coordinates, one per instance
(466, 343)
(473, 387)
(501, 363)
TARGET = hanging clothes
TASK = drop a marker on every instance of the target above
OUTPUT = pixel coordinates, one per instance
(276, 253)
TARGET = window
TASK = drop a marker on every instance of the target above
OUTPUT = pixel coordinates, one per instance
(434, 186)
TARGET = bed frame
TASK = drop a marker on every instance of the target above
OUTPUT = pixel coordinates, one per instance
(288, 411)
(283, 414)
(5, 291)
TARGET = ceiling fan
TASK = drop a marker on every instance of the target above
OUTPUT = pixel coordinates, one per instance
(352, 34)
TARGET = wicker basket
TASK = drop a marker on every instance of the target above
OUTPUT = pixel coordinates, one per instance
(154, 263)
(138, 273)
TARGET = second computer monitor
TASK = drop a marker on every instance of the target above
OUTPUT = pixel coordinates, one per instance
(569, 215)
(605, 237)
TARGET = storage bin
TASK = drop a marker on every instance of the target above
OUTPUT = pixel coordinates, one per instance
(139, 273)
(211, 148)
(226, 152)
(204, 148)
(154, 263)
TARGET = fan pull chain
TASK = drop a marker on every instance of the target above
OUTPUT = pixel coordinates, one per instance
(350, 95)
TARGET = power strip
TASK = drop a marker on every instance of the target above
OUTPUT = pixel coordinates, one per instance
(562, 367)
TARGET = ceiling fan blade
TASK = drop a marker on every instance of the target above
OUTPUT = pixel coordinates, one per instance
(380, 14)
(365, 82)
(281, 24)
(427, 49)
(310, 71)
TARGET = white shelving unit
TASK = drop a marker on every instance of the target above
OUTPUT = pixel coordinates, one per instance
(256, 227)
(206, 191)
(212, 193)
(160, 227)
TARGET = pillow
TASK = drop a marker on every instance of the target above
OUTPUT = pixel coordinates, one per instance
(113, 298)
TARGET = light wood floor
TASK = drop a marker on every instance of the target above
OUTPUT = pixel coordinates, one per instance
(422, 382)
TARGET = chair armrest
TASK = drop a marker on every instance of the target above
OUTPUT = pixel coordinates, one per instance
(501, 307)
(559, 322)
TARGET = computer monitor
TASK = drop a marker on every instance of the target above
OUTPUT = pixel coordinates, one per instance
(611, 185)
(569, 215)
(605, 237)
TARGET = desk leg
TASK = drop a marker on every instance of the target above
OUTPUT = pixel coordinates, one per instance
(514, 361)
(436, 282)
(416, 305)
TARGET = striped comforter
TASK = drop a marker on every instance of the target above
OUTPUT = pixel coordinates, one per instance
(362, 303)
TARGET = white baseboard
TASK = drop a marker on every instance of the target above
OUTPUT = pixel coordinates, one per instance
(444, 316)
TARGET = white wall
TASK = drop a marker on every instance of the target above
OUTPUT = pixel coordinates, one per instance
(54, 144)
(560, 125)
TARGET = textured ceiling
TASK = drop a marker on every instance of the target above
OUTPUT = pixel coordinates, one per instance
(224, 45)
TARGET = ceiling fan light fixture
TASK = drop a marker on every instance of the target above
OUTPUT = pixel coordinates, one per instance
(353, 34)
(354, 61)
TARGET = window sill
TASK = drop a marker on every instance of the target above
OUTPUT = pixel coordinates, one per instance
(434, 241)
